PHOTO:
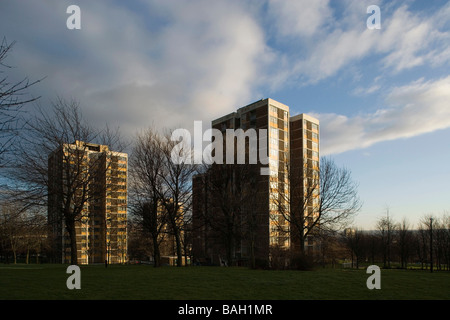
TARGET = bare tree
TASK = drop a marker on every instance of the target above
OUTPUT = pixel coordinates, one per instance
(326, 199)
(440, 247)
(146, 168)
(176, 191)
(12, 226)
(339, 200)
(226, 195)
(439, 235)
(386, 228)
(36, 234)
(12, 97)
(422, 244)
(355, 242)
(60, 140)
(404, 242)
(427, 227)
(435, 239)
(445, 227)
(187, 236)
(162, 189)
(329, 244)
(254, 207)
(22, 229)
(235, 207)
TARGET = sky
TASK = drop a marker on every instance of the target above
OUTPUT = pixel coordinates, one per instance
(382, 95)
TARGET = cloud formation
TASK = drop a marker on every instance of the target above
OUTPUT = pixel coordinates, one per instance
(417, 108)
(406, 40)
(201, 60)
(168, 63)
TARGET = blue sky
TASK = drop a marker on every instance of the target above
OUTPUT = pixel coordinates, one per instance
(382, 96)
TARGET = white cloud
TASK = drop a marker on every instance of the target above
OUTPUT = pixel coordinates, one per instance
(202, 60)
(414, 109)
(360, 91)
(407, 39)
(299, 18)
(201, 64)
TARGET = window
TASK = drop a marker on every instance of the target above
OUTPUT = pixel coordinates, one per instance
(274, 152)
(273, 163)
(274, 142)
(273, 109)
(252, 118)
(315, 164)
(274, 133)
(273, 207)
(273, 119)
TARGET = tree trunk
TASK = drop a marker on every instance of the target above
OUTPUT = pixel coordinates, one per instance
(252, 254)
(13, 249)
(230, 252)
(302, 244)
(70, 224)
(229, 245)
(301, 238)
(156, 251)
(179, 251)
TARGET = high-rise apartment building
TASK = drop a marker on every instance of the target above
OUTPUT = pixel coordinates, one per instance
(292, 148)
(304, 177)
(99, 175)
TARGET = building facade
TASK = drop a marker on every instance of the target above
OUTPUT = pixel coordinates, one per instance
(262, 191)
(304, 178)
(95, 178)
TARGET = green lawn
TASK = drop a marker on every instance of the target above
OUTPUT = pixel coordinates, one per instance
(139, 282)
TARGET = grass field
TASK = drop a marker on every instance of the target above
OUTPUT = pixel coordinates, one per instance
(138, 282)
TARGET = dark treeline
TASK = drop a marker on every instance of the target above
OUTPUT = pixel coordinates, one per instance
(397, 244)
(392, 245)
